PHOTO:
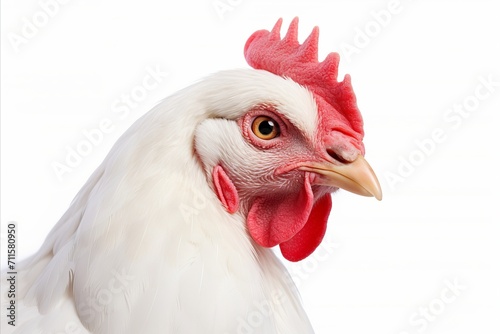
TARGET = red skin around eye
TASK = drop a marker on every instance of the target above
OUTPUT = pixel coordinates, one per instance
(246, 121)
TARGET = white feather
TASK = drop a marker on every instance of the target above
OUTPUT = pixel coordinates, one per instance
(146, 246)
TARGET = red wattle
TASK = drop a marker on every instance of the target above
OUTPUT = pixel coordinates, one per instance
(277, 218)
(310, 236)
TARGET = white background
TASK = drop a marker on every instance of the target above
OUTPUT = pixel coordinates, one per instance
(390, 259)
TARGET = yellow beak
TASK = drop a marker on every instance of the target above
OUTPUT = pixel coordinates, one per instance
(356, 177)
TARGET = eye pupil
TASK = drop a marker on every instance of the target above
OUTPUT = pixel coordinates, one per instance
(266, 127)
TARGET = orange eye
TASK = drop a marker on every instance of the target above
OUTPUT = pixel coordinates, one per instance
(265, 128)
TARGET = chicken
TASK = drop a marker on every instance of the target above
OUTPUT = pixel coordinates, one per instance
(173, 231)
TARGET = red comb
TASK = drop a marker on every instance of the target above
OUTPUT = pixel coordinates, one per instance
(286, 57)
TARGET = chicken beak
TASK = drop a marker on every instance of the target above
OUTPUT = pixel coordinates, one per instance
(356, 177)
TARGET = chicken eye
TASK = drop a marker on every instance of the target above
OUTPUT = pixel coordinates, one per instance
(265, 128)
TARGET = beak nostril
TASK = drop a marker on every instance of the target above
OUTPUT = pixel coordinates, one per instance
(337, 157)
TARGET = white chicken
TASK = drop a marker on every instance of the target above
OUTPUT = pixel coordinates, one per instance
(172, 232)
